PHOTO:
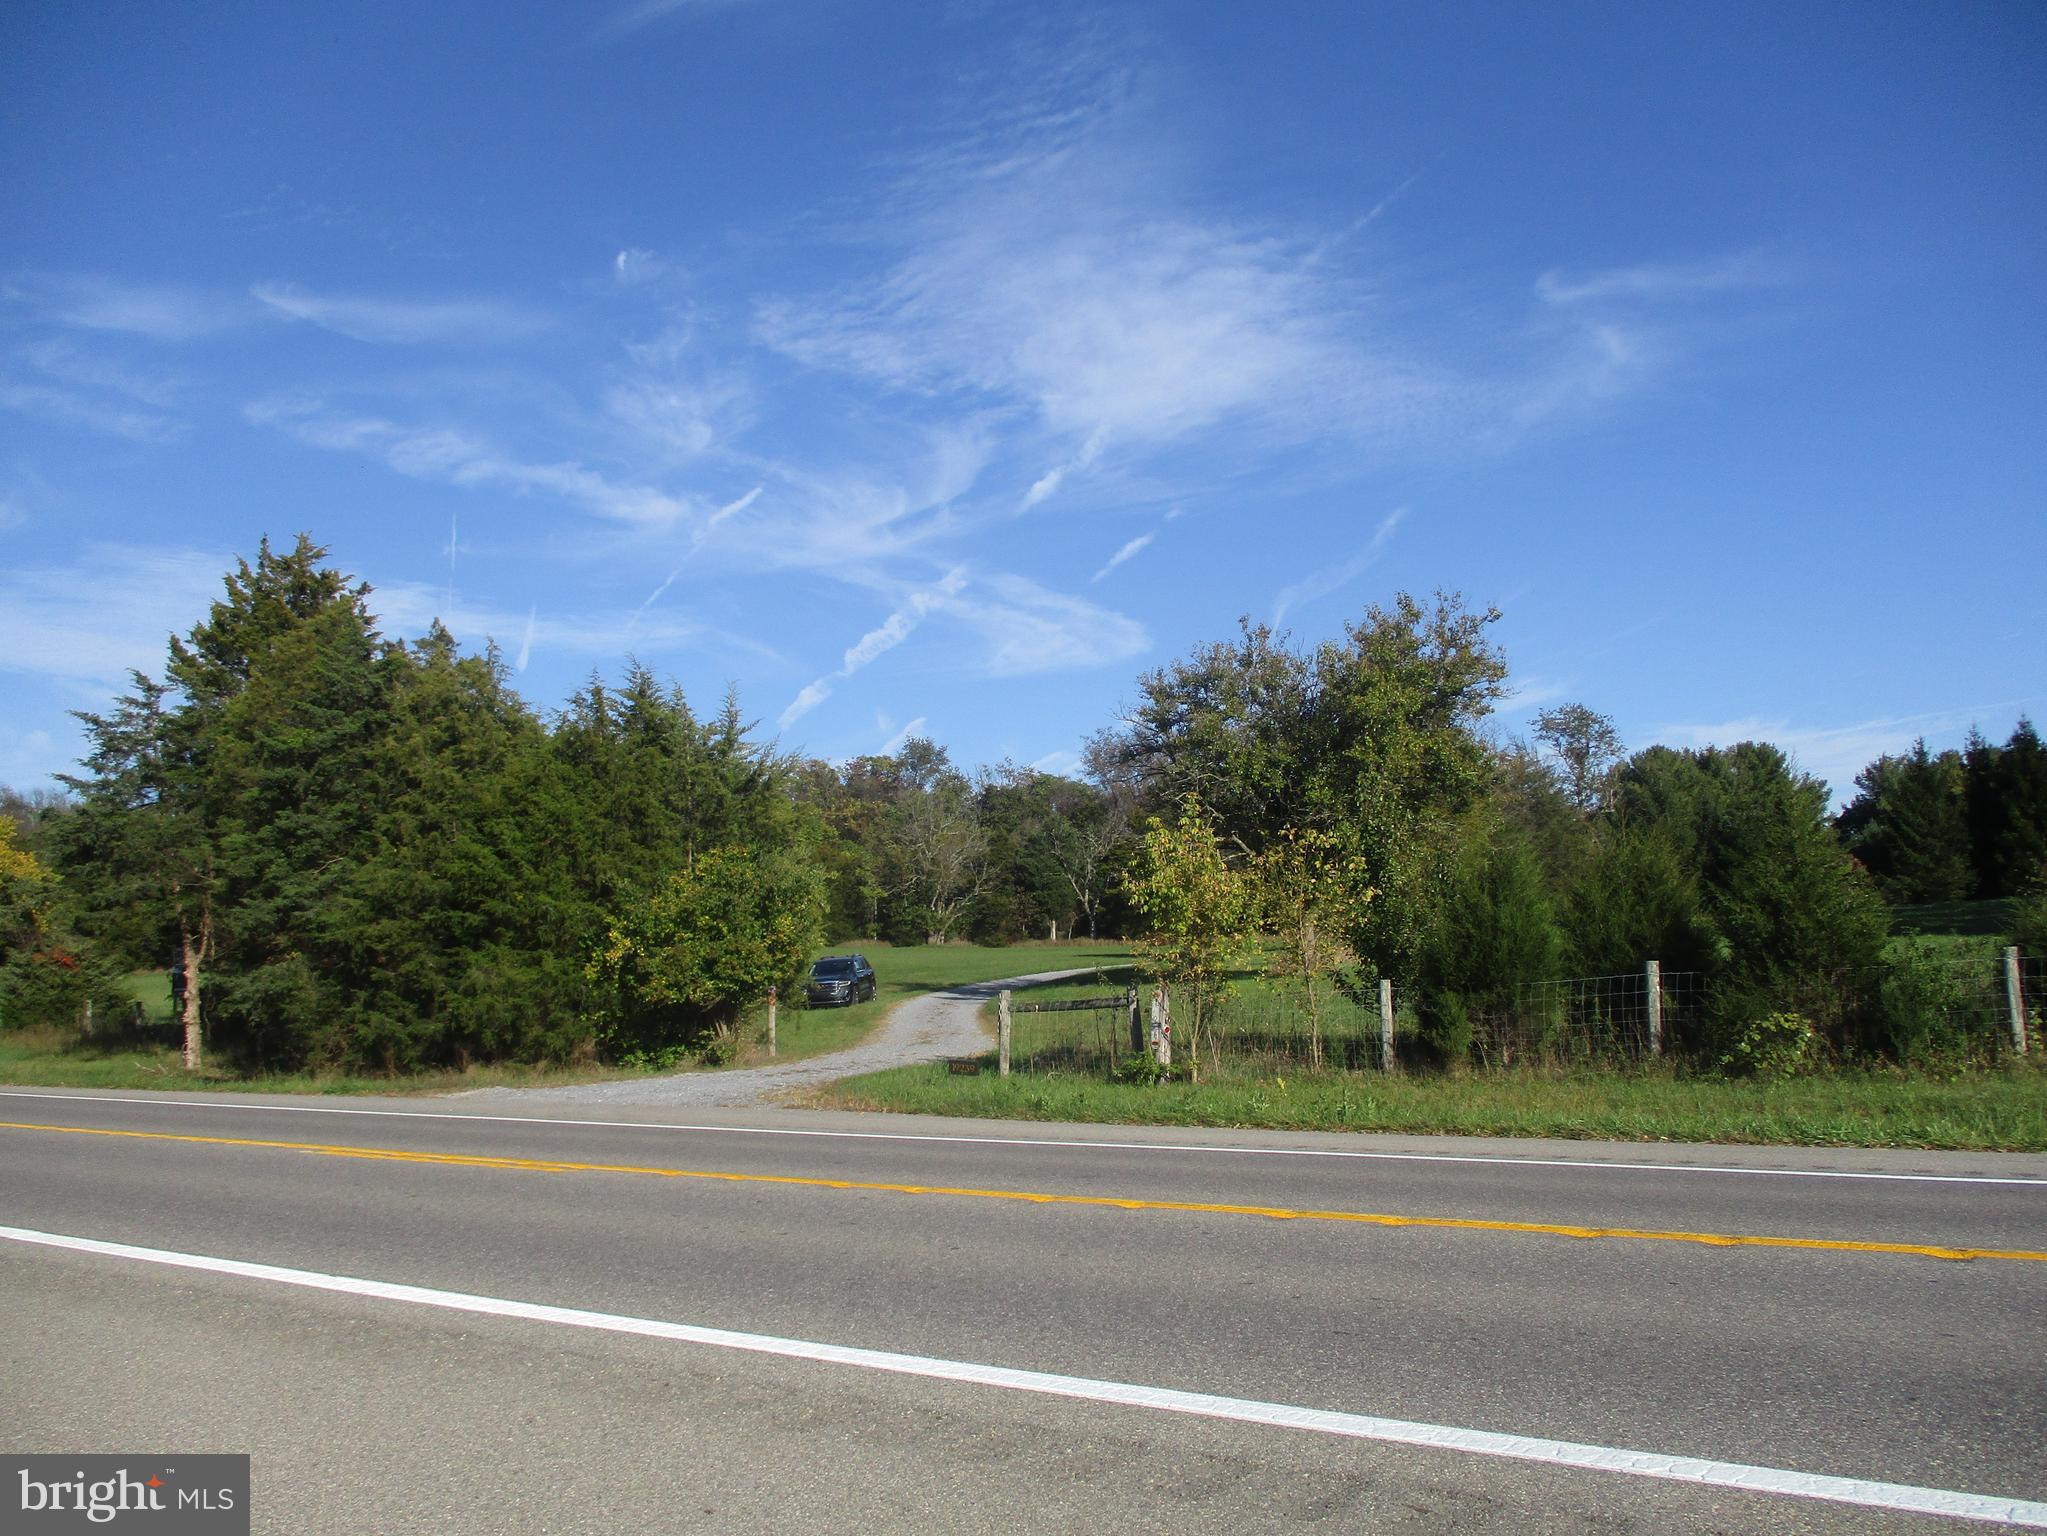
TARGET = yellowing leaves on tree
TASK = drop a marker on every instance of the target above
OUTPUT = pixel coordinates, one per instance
(1312, 892)
(1201, 908)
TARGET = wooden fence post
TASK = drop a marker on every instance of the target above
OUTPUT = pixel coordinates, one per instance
(1162, 1025)
(771, 1021)
(1652, 988)
(1385, 1024)
(2015, 997)
(1002, 1028)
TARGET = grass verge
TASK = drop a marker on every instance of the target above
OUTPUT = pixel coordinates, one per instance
(120, 1058)
(2002, 1111)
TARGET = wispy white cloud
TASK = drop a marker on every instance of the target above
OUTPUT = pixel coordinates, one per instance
(1129, 551)
(1045, 485)
(526, 640)
(1055, 272)
(454, 457)
(1064, 763)
(646, 12)
(812, 695)
(1322, 582)
(675, 419)
(50, 403)
(847, 521)
(63, 359)
(409, 607)
(880, 640)
(140, 596)
(1664, 281)
(895, 743)
(406, 322)
(732, 509)
(884, 637)
(1029, 295)
(1026, 628)
(160, 311)
(1528, 693)
(633, 266)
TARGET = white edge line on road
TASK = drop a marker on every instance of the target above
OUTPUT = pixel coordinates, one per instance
(1043, 1141)
(1899, 1497)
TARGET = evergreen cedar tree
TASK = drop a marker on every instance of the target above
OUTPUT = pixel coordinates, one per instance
(376, 856)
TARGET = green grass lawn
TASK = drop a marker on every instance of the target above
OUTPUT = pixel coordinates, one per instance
(1060, 1071)
(1980, 919)
(116, 1058)
(901, 974)
(1992, 1111)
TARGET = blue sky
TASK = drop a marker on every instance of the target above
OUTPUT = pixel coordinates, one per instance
(941, 368)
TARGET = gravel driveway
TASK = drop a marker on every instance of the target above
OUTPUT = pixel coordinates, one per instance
(927, 1028)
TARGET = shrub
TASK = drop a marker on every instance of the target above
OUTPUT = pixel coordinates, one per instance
(1442, 1029)
(1927, 1008)
(1771, 1045)
(1143, 1069)
(49, 988)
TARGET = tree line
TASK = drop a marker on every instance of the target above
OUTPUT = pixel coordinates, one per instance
(1953, 825)
(370, 853)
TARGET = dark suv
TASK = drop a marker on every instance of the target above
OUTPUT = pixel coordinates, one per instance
(839, 979)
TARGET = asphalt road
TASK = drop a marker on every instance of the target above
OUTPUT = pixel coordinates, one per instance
(1259, 1268)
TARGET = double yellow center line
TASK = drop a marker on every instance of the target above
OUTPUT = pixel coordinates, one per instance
(1034, 1197)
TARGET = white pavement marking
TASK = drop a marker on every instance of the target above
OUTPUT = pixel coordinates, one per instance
(1898, 1497)
(1501, 1161)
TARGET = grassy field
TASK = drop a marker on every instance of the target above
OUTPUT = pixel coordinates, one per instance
(901, 974)
(1991, 1111)
(1061, 1071)
(1978, 919)
(118, 1058)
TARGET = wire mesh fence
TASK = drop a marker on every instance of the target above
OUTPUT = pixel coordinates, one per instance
(1589, 1020)
(1255, 1028)
(1087, 1041)
(2033, 999)
(1919, 1008)
(1925, 1006)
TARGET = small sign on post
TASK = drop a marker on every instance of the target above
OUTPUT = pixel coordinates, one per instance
(1002, 1030)
(771, 1021)
(1385, 1024)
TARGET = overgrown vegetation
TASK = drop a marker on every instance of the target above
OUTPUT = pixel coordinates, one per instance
(370, 857)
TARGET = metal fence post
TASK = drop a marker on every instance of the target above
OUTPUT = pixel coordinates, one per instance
(1385, 1024)
(1652, 985)
(2015, 997)
(1002, 1028)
